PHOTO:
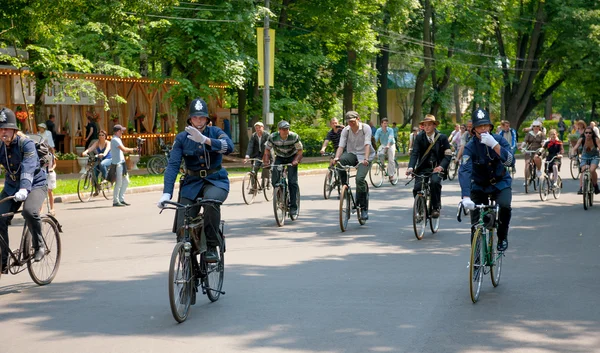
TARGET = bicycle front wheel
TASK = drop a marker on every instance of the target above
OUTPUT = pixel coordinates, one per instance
(419, 216)
(215, 271)
(544, 188)
(452, 169)
(574, 169)
(279, 205)
(85, 186)
(586, 189)
(160, 164)
(249, 188)
(180, 283)
(376, 174)
(556, 190)
(297, 206)
(345, 209)
(44, 271)
(496, 260)
(328, 184)
(476, 264)
(267, 190)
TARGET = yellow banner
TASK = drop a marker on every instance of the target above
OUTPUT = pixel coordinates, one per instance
(260, 31)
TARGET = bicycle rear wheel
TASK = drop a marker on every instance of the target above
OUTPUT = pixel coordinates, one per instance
(556, 190)
(160, 164)
(396, 176)
(279, 205)
(267, 190)
(544, 188)
(249, 188)
(85, 186)
(44, 271)
(476, 264)
(180, 283)
(575, 168)
(328, 184)
(496, 260)
(419, 216)
(215, 272)
(452, 169)
(105, 186)
(150, 165)
(434, 224)
(345, 209)
(376, 174)
(361, 221)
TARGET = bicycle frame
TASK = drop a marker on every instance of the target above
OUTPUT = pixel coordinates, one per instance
(484, 210)
(339, 167)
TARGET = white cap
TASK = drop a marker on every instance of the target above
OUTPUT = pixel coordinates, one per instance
(259, 124)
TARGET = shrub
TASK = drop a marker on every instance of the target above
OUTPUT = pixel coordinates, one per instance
(66, 156)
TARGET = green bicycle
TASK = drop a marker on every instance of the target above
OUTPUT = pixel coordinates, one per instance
(485, 257)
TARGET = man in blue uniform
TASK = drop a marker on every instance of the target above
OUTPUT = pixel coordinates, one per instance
(483, 173)
(202, 147)
(24, 180)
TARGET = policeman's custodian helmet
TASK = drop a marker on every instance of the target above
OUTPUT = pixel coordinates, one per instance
(481, 117)
(8, 120)
(198, 108)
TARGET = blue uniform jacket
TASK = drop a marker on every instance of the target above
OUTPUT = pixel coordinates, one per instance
(197, 157)
(482, 169)
(25, 169)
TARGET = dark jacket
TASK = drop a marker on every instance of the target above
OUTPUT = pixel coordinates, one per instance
(22, 169)
(439, 155)
(256, 146)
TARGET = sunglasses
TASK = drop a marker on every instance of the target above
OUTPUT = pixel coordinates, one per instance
(588, 132)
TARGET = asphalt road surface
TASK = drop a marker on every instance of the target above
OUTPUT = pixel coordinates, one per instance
(307, 287)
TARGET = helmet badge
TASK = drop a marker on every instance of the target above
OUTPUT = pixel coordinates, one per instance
(480, 114)
(2, 117)
(198, 105)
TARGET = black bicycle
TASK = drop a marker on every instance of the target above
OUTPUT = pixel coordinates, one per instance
(157, 164)
(189, 267)
(378, 171)
(348, 204)
(91, 183)
(251, 186)
(281, 196)
(532, 178)
(43, 271)
(575, 166)
(332, 179)
(547, 186)
(453, 166)
(422, 207)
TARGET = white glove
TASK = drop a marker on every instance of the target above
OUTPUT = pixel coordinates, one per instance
(409, 171)
(21, 195)
(488, 140)
(195, 134)
(468, 204)
(164, 197)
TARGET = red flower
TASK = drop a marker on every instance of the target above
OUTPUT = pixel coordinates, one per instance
(21, 115)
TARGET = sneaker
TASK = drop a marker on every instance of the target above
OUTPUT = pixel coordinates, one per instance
(293, 212)
(364, 214)
(211, 254)
(525, 184)
(502, 245)
(125, 203)
(251, 191)
(580, 191)
(39, 254)
(118, 204)
(555, 185)
(95, 193)
(435, 214)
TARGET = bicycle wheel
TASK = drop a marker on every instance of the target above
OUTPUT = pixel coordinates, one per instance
(249, 188)
(476, 264)
(376, 174)
(180, 283)
(575, 169)
(544, 188)
(105, 186)
(396, 177)
(160, 164)
(434, 224)
(293, 218)
(85, 186)
(556, 190)
(279, 205)
(150, 165)
(267, 190)
(215, 271)
(345, 209)
(44, 271)
(361, 221)
(419, 216)
(328, 184)
(496, 260)
(452, 170)
(527, 183)
(586, 188)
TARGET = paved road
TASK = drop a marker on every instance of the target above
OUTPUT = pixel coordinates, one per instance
(307, 287)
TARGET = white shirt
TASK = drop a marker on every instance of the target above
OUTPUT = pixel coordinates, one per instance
(355, 142)
(47, 135)
(117, 155)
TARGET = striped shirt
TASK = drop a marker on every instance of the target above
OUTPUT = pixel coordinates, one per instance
(284, 148)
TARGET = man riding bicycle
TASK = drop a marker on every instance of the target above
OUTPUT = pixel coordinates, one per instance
(431, 154)
(288, 149)
(356, 139)
(533, 142)
(202, 147)
(387, 143)
(333, 135)
(256, 148)
(25, 180)
(483, 174)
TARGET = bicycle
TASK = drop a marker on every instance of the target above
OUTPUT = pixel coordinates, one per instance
(422, 208)
(378, 170)
(157, 164)
(332, 179)
(281, 196)
(43, 271)
(453, 166)
(92, 184)
(189, 267)
(251, 187)
(532, 178)
(485, 257)
(587, 188)
(575, 166)
(547, 186)
(347, 201)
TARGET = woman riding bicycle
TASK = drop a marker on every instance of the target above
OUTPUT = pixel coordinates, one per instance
(588, 146)
(554, 150)
(101, 148)
(533, 141)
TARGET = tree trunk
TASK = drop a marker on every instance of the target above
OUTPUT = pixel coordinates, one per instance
(548, 108)
(593, 114)
(243, 121)
(381, 64)
(426, 69)
(348, 84)
(457, 103)
(39, 111)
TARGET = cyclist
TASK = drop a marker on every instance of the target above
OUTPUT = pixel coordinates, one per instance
(102, 149)
(534, 140)
(431, 154)
(256, 147)
(333, 135)
(483, 173)
(509, 134)
(356, 139)
(588, 144)
(202, 147)
(553, 148)
(387, 143)
(464, 139)
(288, 149)
(24, 180)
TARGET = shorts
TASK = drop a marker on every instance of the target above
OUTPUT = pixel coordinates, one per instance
(586, 161)
(52, 180)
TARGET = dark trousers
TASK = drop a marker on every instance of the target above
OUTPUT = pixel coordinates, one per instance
(265, 173)
(31, 214)
(212, 211)
(362, 170)
(435, 188)
(292, 174)
(503, 199)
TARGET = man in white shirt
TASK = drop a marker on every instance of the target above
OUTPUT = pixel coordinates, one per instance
(47, 135)
(385, 137)
(118, 159)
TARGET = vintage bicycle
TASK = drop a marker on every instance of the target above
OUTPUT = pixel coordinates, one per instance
(332, 179)
(348, 204)
(189, 267)
(546, 184)
(251, 186)
(378, 171)
(422, 207)
(453, 166)
(43, 271)
(575, 166)
(485, 257)
(532, 178)
(587, 187)
(91, 183)
(281, 196)
(157, 164)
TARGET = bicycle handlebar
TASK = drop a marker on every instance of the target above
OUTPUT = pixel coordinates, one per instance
(425, 175)
(339, 165)
(465, 211)
(178, 206)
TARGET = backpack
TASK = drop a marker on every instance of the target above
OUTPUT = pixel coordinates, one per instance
(42, 148)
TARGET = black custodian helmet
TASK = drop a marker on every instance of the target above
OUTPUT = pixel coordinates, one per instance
(481, 117)
(198, 107)
(8, 120)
